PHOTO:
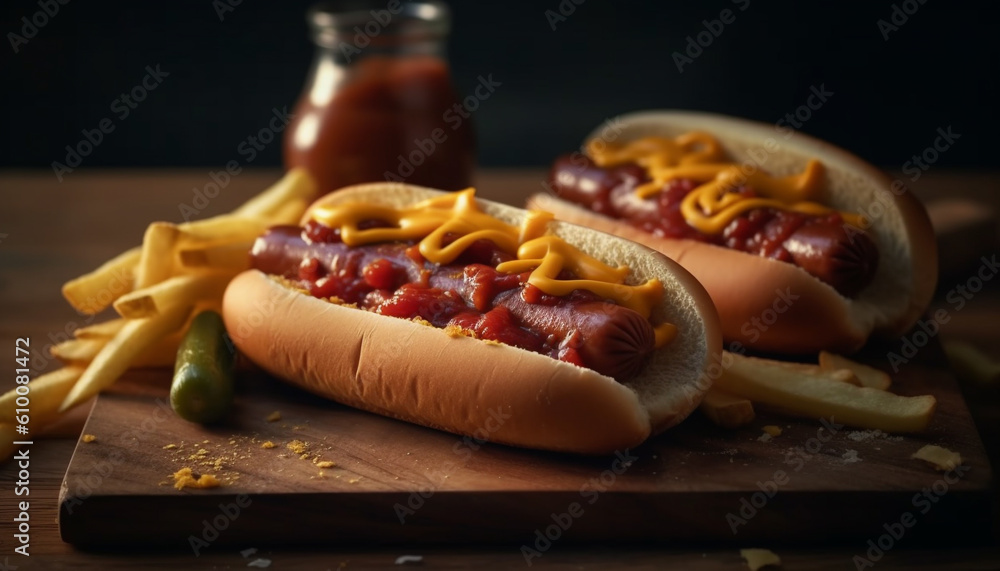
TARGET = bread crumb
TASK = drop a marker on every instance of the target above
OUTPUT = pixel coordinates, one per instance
(267, 444)
(764, 437)
(941, 458)
(421, 321)
(456, 331)
(297, 446)
(326, 464)
(88, 438)
(185, 478)
(758, 558)
(274, 416)
(170, 447)
(772, 430)
(409, 560)
(851, 456)
(304, 457)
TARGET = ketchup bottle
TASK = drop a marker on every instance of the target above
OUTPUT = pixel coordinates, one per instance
(379, 102)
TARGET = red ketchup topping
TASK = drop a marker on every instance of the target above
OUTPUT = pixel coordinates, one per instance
(393, 279)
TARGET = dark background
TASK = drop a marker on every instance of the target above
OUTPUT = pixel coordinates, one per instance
(606, 58)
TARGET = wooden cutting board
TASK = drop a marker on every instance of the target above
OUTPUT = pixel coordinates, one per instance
(394, 482)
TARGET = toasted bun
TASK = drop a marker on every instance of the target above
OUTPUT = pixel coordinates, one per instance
(775, 306)
(421, 374)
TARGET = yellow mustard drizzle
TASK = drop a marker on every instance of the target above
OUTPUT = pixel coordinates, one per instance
(711, 206)
(544, 255)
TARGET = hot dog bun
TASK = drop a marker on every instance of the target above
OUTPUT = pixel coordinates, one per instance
(749, 290)
(420, 374)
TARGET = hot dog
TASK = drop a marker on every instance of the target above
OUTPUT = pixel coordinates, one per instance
(441, 310)
(802, 246)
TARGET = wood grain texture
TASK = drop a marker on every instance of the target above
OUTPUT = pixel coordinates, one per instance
(398, 483)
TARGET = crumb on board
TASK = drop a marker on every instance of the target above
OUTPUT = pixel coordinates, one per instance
(759, 558)
(764, 437)
(260, 563)
(274, 416)
(248, 552)
(304, 456)
(326, 464)
(170, 447)
(941, 458)
(297, 446)
(186, 478)
(772, 430)
(88, 438)
(267, 444)
(850, 457)
(409, 560)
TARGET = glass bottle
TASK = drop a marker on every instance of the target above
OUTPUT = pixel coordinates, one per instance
(379, 102)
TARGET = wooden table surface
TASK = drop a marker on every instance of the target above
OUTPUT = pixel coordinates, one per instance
(52, 231)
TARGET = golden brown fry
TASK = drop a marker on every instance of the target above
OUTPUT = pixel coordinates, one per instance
(102, 330)
(134, 339)
(761, 381)
(726, 409)
(296, 184)
(162, 354)
(219, 230)
(188, 289)
(291, 212)
(93, 292)
(839, 374)
(235, 257)
(45, 394)
(78, 350)
(157, 261)
(868, 376)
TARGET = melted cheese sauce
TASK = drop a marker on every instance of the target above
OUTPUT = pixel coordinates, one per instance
(545, 256)
(712, 205)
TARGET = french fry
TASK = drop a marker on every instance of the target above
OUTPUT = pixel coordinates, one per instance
(78, 350)
(868, 376)
(235, 256)
(839, 374)
(219, 230)
(761, 381)
(102, 330)
(156, 262)
(149, 301)
(162, 354)
(726, 409)
(114, 359)
(296, 184)
(290, 212)
(45, 394)
(91, 293)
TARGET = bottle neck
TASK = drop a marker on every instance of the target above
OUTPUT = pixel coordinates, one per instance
(346, 32)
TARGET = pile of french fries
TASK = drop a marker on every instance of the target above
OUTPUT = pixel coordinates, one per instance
(849, 392)
(178, 270)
